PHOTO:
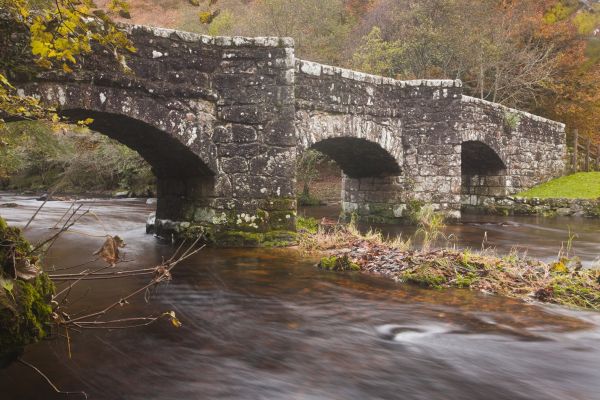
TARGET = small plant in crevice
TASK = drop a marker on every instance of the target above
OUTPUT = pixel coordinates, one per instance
(511, 121)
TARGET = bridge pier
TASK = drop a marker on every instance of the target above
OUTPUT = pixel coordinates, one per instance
(390, 199)
(187, 207)
(374, 199)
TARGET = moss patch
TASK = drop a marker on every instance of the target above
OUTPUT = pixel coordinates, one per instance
(254, 239)
(25, 311)
(335, 263)
(425, 275)
(307, 224)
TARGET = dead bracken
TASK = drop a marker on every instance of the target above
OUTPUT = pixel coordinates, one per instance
(563, 282)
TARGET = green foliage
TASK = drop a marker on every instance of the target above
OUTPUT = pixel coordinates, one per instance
(307, 172)
(587, 22)
(75, 160)
(562, 10)
(511, 120)
(582, 185)
(60, 32)
(221, 24)
(307, 224)
(308, 200)
(378, 56)
(430, 225)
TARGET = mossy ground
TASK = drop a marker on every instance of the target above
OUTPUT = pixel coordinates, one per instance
(582, 185)
(563, 282)
(25, 311)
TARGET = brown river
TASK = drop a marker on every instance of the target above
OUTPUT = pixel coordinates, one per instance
(266, 324)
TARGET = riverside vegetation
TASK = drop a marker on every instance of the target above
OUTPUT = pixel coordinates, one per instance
(25, 295)
(36, 157)
(345, 248)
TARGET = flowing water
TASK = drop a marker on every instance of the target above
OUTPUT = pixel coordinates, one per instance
(266, 324)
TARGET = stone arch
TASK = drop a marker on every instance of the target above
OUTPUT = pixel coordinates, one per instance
(368, 150)
(174, 137)
(359, 158)
(314, 127)
(483, 173)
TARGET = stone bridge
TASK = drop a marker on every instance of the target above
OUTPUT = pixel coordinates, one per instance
(221, 121)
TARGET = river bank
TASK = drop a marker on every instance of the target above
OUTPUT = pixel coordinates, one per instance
(545, 207)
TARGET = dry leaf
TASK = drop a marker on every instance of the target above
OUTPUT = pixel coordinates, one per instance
(110, 249)
(174, 320)
(25, 270)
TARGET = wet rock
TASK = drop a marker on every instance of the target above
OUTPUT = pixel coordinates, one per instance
(121, 195)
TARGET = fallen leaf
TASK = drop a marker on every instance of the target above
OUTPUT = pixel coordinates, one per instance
(25, 270)
(174, 320)
(110, 249)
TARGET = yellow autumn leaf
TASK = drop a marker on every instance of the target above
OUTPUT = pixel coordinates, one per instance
(86, 121)
(205, 17)
(174, 320)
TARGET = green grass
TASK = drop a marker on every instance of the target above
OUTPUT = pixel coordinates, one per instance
(582, 185)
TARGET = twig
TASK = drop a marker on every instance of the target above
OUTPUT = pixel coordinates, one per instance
(36, 212)
(162, 276)
(75, 266)
(61, 218)
(64, 228)
(57, 390)
(74, 283)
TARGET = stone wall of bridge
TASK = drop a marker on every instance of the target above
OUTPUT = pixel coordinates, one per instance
(527, 150)
(213, 116)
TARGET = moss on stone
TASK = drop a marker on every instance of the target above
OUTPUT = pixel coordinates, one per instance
(279, 203)
(334, 263)
(25, 311)
(238, 238)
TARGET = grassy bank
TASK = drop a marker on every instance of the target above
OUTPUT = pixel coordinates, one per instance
(562, 282)
(39, 157)
(582, 185)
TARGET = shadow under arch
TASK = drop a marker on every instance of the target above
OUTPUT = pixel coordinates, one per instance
(359, 158)
(483, 173)
(184, 180)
